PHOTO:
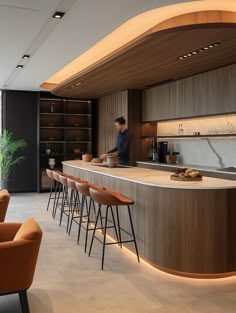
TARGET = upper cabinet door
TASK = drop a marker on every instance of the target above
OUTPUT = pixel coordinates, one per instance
(209, 93)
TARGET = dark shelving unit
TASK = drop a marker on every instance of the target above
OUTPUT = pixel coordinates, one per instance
(64, 125)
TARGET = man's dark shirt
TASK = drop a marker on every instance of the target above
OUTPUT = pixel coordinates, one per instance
(123, 146)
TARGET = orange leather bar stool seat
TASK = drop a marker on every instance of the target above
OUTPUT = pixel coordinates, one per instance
(112, 199)
(19, 248)
(4, 202)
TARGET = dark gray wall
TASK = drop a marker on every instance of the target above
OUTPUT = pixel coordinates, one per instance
(20, 116)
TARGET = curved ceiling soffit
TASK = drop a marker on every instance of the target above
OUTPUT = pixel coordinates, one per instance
(190, 14)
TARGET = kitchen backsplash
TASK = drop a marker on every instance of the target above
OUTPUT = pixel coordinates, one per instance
(218, 152)
(209, 151)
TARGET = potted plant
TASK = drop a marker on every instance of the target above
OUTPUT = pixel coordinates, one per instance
(9, 155)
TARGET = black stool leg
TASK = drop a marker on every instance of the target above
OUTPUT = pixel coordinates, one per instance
(57, 198)
(118, 224)
(71, 201)
(104, 237)
(95, 227)
(74, 209)
(24, 301)
(114, 223)
(132, 229)
(81, 217)
(50, 196)
(87, 226)
(64, 195)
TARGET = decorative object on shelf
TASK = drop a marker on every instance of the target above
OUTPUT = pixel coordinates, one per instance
(52, 107)
(87, 157)
(186, 174)
(76, 125)
(51, 163)
(48, 149)
(77, 139)
(9, 149)
(76, 151)
(51, 138)
(51, 124)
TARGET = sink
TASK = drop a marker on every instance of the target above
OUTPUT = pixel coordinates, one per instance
(118, 166)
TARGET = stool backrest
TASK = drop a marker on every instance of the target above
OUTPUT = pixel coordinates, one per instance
(50, 173)
(63, 180)
(83, 187)
(104, 197)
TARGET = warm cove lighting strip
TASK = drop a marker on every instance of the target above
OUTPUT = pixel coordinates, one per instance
(131, 31)
(164, 272)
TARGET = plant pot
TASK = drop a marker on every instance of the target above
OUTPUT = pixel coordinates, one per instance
(3, 184)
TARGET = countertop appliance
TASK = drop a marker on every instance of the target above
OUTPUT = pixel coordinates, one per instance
(153, 152)
(162, 150)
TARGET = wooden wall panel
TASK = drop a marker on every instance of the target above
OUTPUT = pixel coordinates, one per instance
(208, 93)
(128, 104)
(109, 108)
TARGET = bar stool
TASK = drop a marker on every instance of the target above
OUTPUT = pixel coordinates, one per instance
(60, 191)
(83, 189)
(76, 203)
(53, 187)
(111, 199)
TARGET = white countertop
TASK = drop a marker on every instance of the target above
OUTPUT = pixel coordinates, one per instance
(155, 178)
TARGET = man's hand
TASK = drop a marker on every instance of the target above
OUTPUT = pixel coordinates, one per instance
(103, 156)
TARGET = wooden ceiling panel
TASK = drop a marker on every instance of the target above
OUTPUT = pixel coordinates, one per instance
(154, 60)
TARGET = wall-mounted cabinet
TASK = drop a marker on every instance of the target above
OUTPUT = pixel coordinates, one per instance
(209, 93)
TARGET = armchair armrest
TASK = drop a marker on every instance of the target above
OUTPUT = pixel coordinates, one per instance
(17, 264)
(8, 231)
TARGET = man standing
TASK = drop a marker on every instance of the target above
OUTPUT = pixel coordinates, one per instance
(122, 148)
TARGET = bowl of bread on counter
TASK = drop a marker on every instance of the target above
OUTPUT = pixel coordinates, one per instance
(186, 174)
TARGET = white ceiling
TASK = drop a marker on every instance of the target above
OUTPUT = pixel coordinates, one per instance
(26, 27)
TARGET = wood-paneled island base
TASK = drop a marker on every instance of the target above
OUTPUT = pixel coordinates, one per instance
(184, 228)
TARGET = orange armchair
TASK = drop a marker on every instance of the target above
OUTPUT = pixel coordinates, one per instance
(4, 201)
(19, 248)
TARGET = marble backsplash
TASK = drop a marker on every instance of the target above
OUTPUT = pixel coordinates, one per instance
(217, 152)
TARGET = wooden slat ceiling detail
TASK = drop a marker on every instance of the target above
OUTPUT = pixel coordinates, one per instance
(153, 58)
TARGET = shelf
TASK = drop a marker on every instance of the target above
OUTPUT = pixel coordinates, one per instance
(73, 141)
(65, 114)
(192, 136)
(64, 127)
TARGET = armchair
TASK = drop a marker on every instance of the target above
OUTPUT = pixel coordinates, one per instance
(19, 247)
(4, 201)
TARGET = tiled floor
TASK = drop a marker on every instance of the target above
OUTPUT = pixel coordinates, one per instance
(68, 281)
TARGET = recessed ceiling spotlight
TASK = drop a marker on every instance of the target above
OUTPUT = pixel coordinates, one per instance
(79, 83)
(20, 66)
(72, 86)
(58, 15)
(190, 54)
(26, 56)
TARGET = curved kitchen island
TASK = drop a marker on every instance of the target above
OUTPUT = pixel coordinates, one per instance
(184, 228)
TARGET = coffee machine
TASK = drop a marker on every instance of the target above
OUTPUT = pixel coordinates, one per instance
(162, 150)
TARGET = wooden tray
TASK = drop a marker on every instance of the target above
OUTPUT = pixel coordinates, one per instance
(185, 178)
